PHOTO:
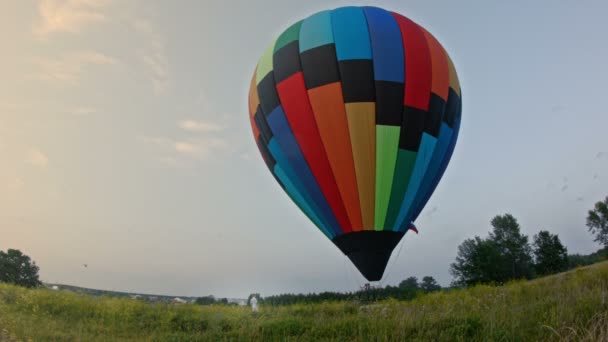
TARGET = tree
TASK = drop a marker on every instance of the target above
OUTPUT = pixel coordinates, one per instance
(514, 248)
(429, 284)
(597, 221)
(207, 300)
(549, 253)
(477, 262)
(409, 283)
(504, 255)
(17, 268)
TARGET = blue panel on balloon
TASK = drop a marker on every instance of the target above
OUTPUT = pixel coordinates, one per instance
(295, 195)
(351, 33)
(291, 150)
(443, 142)
(387, 45)
(316, 31)
(423, 158)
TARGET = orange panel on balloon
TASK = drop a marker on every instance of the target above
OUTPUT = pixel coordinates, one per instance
(439, 66)
(254, 102)
(362, 126)
(330, 114)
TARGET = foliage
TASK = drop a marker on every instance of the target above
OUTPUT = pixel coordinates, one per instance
(515, 251)
(597, 221)
(567, 306)
(429, 284)
(17, 268)
(476, 263)
(367, 294)
(577, 260)
(505, 255)
(409, 283)
(549, 254)
(207, 300)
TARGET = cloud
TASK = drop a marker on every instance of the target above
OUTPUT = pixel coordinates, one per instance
(35, 157)
(83, 111)
(153, 55)
(69, 68)
(175, 150)
(69, 16)
(199, 149)
(599, 155)
(199, 126)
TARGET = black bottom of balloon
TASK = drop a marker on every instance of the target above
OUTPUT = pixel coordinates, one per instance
(369, 250)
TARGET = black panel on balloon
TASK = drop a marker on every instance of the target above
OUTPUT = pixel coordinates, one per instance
(436, 112)
(260, 121)
(357, 77)
(320, 66)
(270, 161)
(369, 250)
(389, 103)
(286, 61)
(452, 108)
(267, 92)
(412, 127)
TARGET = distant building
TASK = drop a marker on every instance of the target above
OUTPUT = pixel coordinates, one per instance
(55, 287)
(178, 300)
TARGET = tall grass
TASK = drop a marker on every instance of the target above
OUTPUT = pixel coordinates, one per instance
(568, 306)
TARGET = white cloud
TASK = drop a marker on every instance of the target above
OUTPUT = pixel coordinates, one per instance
(174, 150)
(153, 55)
(69, 68)
(199, 126)
(71, 16)
(83, 111)
(35, 157)
(199, 149)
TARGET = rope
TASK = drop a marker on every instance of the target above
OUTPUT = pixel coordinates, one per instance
(391, 264)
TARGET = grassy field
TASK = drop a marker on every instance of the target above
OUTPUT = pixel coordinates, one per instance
(568, 306)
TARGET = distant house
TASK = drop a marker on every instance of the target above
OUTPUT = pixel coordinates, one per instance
(135, 296)
(178, 300)
(55, 287)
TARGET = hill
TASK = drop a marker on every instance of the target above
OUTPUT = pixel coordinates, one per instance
(568, 306)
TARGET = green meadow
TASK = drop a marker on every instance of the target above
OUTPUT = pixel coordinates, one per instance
(566, 306)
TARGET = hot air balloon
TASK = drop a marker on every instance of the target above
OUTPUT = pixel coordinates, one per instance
(356, 112)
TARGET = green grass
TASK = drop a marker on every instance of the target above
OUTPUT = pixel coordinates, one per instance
(568, 306)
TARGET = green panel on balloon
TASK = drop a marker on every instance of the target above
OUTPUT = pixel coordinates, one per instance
(265, 63)
(290, 35)
(403, 172)
(387, 146)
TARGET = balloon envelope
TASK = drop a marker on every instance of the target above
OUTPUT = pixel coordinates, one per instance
(356, 113)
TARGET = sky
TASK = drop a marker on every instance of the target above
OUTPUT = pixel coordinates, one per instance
(125, 142)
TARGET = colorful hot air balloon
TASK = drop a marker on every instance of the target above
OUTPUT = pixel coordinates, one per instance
(356, 113)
